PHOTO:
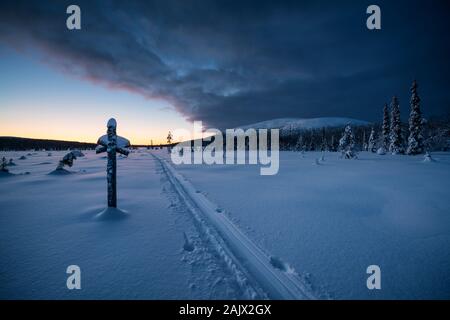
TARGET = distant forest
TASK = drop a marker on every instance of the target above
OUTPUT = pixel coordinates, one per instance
(435, 131)
(435, 134)
(15, 143)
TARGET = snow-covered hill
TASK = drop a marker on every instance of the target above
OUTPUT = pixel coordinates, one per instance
(299, 123)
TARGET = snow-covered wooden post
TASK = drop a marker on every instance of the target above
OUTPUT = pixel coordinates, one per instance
(111, 143)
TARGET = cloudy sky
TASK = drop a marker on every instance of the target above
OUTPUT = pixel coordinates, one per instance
(158, 65)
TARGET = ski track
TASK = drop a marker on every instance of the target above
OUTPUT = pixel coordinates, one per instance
(259, 274)
(208, 269)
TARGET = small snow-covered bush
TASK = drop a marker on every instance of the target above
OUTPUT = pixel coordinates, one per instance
(67, 160)
(427, 158)
(381, 151)
(4, 165)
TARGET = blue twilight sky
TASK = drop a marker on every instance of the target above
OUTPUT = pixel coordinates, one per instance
(159, 65)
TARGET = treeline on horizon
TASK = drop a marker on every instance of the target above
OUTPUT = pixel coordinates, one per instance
(18, 144)
(23, 144)
(436, 136)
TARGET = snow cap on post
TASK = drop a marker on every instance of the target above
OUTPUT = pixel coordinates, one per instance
(112, 123)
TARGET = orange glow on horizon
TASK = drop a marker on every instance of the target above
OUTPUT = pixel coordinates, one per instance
(138, 132)
(155, 137)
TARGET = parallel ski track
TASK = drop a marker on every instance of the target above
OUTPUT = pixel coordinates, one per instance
(253, 262)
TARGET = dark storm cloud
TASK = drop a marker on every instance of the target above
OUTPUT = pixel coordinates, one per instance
(235, 62)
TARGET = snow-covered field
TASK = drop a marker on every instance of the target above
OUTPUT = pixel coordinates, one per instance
(224, 231)
(48, 222)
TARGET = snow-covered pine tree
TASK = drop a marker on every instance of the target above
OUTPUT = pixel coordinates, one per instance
(332, 148)
(323, 145)
(299, 145)
(415, 139)
(169, 141)
(365, 145)
(347, 143)
(372, 141)
(312, 145)
(385, 130)
(396, 143)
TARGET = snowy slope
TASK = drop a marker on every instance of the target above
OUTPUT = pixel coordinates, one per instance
(305, 124)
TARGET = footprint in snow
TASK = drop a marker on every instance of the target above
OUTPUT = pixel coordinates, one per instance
(188, 245)
(278, 263)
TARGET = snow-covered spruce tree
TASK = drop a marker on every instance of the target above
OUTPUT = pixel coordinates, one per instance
(372, 147)
(385, 131)
(332, 147)
(365, 145)
(312, 146)
(299, 145)
(347, 143)
(396, 141)
(415, 139)
(169, 141)
(323, 143)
